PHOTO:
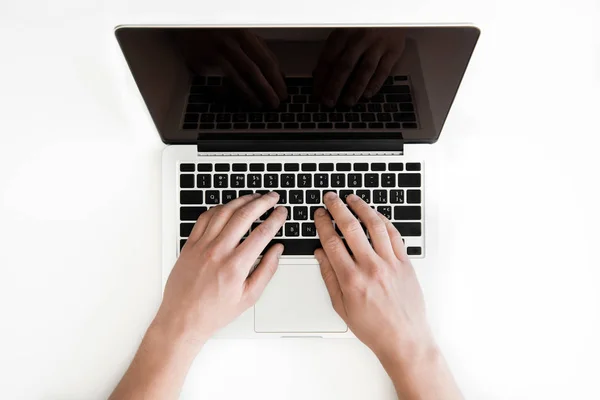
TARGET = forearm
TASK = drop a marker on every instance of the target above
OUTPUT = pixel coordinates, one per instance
(421, 375)
(159, 367)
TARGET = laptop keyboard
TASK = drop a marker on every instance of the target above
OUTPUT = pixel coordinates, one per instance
(392, 188)
(392, 108)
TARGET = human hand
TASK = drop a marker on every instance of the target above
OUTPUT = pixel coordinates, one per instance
(376, 291)
(355, 62)
(243, 57)
(209, 285)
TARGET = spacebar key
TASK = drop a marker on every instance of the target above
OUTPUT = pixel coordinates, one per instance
(298, 247)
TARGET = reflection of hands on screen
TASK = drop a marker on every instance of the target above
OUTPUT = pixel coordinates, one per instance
(242, 57)
(355, 62)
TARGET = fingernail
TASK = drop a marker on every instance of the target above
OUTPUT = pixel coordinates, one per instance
(330, 196)
(320, 212)
(274, 195)
(281, 209)
(351, 198)
(255, 195)
(279, 251)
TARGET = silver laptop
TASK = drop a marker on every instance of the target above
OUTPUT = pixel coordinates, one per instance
(301, 111)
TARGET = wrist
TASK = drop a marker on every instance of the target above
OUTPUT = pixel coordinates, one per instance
(173, 340)
(405, 353)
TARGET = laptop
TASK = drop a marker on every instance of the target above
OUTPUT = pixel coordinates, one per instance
(300, 110)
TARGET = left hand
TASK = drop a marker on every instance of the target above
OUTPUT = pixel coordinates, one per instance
(355, 62)
(211, 283)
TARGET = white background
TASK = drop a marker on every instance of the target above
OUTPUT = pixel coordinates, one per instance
(512, 278)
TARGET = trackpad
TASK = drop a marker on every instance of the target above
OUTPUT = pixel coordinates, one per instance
(296, 300)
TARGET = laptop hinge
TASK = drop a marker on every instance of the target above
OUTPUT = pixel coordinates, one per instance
(303, 142)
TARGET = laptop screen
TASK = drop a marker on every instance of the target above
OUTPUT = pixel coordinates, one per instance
(287, 81)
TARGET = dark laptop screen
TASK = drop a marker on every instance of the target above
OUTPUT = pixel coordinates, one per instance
(358, 81)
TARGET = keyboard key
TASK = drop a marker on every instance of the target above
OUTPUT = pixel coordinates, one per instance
(262, 192)
(255, 125)
(224, 125)
(378, 98)
(408, 228)
(304, 180)
(186, 181)
(359, 125)
(396, 167)
(409, 180)
(272, 117)
(237, 181)
(384, 117)
(274, 125)
(326, 167)
(313, 209)
(397, 196)
(291, 167)
(292, 229)
(296, 197)
(239, 167)
(359, 108)
(413, 196)
(395, 89)
(405, 125)
(239, 117)
(213, 197)
(311, 108)
(245, 192)
(336, 117)
(300, 213)
(380, 196)
(254, 180)
(229, 195)
(352, 117)
(392, 125)
(371, 180)
(342, 125)
(413, 166)
(390, 107)
(376, 125)
(398, 98)
(306, 90)
(190, 197)
(406, 107)
(386, 211)
(338, 180)
(185, 229)
(287, 117)
(321, 180)
(319, 117)
(220, 180)
(255, 117)
(400, 78)
(298, 81)
(203, 181)
(402, 213)
(405, 117)
(388, 180)
(288, 180)
(223, 117)
(368, 117)
(374, 108)
(289, 212)
(271, 180)
(361, 166)
(222, 167)
(378, 167)
(343, 167)
(308, 125)
(207, 117)
(293, 90)
(365, 195)
(309, 229)
(354, 180)
(205, 167)
(299, 98)
(413, 251)
(257, 167)
(273, 167)
(303, 117)
(325, 125)
(309, 167)
(187, 167)
(282, 196)
(197, 108)
(313, 196)
(345, 193)
(207, 126)
(191, 213)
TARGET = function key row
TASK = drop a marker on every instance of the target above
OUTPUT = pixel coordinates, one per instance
(293, 167)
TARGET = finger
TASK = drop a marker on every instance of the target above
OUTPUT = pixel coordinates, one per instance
(350, 227)
(261, 276)
(267, 62)
(331, 282)
(241, 220)
(333, 47)
(384, 69)
(362, 75)
(395, 239)
(377, 229)
(253, 76)
(201, 224)
(342, 68)
(238, 82)
(262, 235)
(222, 214)
(340, 260)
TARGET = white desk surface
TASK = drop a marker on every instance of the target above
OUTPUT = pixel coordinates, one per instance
(513, 274)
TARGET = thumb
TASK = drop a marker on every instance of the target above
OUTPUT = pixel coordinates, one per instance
(262, 274)
(331, 282)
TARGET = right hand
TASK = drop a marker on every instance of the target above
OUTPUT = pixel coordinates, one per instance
(376, 291)
(243, 57)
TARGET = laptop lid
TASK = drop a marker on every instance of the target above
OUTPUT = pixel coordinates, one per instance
(353, 82)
